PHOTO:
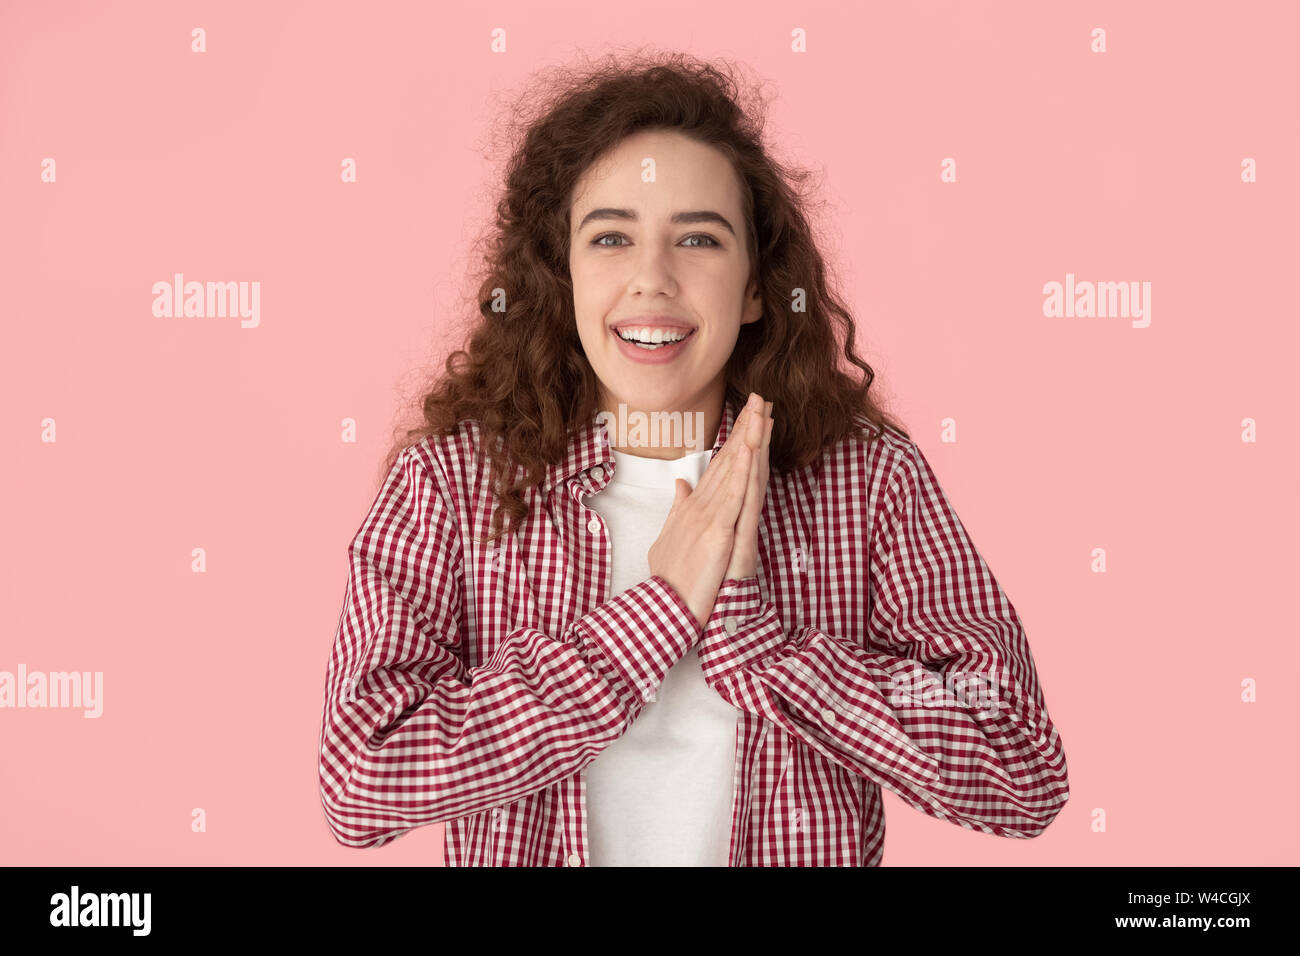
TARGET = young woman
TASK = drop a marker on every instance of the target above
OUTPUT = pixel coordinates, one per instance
(578, 636)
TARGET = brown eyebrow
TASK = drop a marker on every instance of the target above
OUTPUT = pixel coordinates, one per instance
(629, 215)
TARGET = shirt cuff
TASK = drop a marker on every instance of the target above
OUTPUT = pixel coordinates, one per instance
(638, 635)
(742, 629)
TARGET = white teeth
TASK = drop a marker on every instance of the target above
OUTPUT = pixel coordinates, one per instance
(650, 337)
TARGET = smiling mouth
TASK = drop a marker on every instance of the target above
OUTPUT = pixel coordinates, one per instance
(653, 341)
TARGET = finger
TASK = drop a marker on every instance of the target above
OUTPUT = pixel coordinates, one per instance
(749, 437)
(746, 433)
(755, 472)
(740, 427)
(739, 423)
(758, 472)
(723, 476)
(681, 491)
(747, 522)
(732, 495)
(757, 491)
(765, 457)
(715, 473)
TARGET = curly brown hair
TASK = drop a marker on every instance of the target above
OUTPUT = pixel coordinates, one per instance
(523, 375)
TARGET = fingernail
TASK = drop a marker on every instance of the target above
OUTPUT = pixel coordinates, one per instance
(753, 400)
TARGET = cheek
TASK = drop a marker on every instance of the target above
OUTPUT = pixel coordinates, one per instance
(586, 293)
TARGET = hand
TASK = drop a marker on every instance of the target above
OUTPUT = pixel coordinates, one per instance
(694, 547)
(744, 553)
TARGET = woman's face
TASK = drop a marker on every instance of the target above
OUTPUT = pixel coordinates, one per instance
(657, 242)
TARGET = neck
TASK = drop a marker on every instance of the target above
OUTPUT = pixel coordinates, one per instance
(664, 433)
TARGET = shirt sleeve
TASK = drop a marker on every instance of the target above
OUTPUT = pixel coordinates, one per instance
(410, 736)
(947, 713)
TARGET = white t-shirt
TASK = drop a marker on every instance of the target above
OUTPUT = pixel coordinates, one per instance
(660, 795)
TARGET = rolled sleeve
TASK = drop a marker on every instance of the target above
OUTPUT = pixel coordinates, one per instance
(637, 636)
(742, 630)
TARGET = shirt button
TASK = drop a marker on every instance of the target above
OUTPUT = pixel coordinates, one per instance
(575, 860)
(729, 625)
(594, 526)
(828, 715)
(598, 472)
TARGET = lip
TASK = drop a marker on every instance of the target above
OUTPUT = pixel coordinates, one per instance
(659, 356)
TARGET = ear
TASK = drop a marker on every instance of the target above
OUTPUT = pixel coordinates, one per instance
(753, 305)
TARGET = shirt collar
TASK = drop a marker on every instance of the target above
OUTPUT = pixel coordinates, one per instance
(589, 447)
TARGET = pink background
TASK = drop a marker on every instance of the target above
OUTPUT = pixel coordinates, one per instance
(1074, 434)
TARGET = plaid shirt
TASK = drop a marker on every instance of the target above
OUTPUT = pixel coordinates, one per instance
(471, 683)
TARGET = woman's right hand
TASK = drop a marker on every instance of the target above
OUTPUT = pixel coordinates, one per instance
(693, 550)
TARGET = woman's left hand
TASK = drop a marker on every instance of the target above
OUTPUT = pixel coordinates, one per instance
(744, 550)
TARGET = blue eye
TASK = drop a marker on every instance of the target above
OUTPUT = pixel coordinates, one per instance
(607, 235)
(700, 235)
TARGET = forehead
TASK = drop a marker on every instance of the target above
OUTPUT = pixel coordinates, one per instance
(685, 173)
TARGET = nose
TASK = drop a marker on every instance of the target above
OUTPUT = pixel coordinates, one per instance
(652, 272)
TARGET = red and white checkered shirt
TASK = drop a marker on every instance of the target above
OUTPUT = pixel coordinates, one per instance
(471, 683)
